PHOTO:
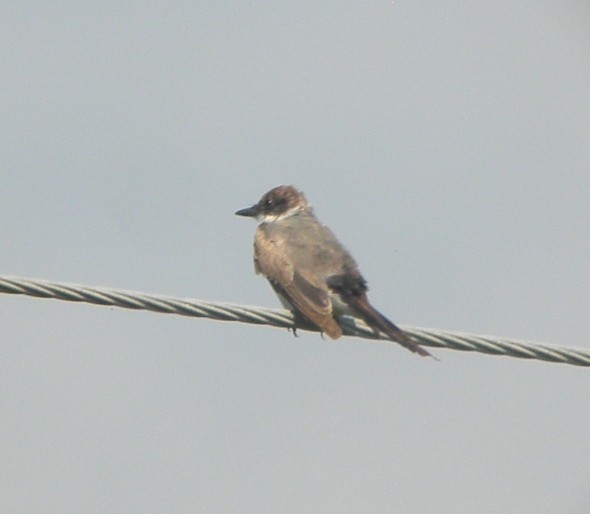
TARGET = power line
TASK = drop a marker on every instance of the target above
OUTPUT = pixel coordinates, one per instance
(284, 319)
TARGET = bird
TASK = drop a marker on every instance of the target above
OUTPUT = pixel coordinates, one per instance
(312, 273)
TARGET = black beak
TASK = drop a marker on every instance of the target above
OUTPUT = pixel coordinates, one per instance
(251, 212)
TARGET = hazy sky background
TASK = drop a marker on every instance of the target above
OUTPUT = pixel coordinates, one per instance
(448, 146)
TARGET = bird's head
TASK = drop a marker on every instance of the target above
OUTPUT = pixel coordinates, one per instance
(279, 202)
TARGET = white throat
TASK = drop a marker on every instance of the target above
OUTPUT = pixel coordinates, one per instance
(271, 218)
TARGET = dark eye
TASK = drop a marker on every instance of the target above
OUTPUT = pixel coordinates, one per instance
(268, 202)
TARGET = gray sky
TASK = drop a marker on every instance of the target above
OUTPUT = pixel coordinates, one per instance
(446, 144)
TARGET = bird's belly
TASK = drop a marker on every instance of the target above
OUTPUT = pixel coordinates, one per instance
(285, 301)
(339, 308)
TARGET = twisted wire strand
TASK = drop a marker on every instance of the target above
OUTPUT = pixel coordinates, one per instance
(284, 319)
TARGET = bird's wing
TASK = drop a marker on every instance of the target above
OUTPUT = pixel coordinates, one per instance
(310, 297)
